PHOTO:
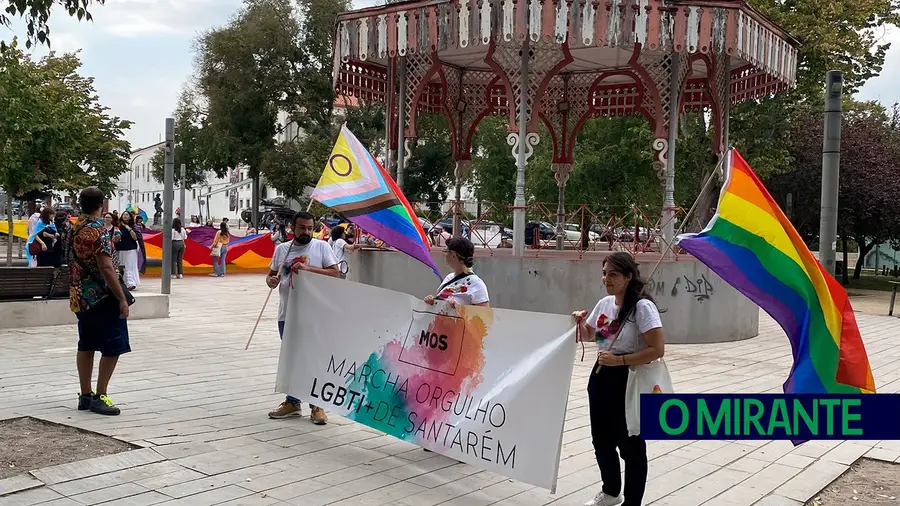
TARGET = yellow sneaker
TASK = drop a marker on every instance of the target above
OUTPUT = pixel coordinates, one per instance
(318, 416)
(286, 410)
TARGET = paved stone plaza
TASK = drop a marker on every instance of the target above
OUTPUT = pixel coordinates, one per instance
(197, 403)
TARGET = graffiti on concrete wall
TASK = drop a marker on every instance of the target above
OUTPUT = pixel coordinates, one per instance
(700, 289)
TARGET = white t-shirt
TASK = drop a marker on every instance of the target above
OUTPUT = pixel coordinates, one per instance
(467, 291)
(317, 254)
(644, 319)
(340, 254)
(179, 236)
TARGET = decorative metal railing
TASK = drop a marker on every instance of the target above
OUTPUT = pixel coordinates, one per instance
(585, 228)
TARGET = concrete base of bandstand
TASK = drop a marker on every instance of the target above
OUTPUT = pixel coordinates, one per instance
(697, 306)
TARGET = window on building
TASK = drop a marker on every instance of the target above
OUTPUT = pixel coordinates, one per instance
(147, 171)
(193, 194)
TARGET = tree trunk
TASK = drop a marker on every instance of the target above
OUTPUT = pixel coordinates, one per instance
(845, 272)
(9, 220)
(864, 249)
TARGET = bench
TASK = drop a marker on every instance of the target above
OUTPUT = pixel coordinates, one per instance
(894, 287)
(28, 283)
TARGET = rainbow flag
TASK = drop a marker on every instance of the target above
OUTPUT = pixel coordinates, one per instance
(356, 185)
(751, 244)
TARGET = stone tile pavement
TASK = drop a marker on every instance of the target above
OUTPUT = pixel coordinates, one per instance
(197, 402)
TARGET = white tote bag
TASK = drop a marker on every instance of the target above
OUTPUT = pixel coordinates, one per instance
(652, 378)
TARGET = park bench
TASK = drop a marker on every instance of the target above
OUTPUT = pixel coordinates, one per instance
(28, 283)
(894, 286)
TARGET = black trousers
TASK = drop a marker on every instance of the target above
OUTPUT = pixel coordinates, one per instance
(606, 396)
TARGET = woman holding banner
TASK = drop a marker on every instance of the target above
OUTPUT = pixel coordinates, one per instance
(629, 321)
(462, 286)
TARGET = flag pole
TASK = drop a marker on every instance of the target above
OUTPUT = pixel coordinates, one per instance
(258, 318)
(684, 222)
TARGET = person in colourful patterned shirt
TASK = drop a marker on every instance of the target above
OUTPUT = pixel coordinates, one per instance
(97, 299)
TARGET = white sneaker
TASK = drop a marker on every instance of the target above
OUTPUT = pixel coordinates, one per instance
(602, 499)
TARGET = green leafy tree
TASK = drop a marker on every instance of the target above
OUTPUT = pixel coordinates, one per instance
(291, 167)
(54, 135)
(247, 71)
(429, 171)
(869, 210)
(36, 14)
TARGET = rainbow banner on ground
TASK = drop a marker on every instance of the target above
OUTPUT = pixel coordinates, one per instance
(752, 245)
(356, 185)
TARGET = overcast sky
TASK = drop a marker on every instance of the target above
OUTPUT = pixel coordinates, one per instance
(140, 52)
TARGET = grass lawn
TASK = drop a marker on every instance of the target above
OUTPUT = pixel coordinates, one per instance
(870, 282)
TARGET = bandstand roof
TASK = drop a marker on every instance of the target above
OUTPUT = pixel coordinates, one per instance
(598, 35)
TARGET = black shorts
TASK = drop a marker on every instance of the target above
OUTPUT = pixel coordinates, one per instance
(101, 329)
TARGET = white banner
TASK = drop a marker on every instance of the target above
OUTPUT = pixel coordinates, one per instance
(487, 387)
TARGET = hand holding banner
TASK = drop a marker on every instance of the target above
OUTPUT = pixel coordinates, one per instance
(485, 386)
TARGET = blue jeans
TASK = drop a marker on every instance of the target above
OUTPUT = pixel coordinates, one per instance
(293, 400)
(219, 262)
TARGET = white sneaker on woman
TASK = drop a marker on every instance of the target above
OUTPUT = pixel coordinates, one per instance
(602, 499)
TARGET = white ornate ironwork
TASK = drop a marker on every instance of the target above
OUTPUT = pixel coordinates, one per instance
(531, 140)
(561, 172)
(660, 157)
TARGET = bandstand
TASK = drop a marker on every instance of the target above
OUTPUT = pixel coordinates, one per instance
(559, 62)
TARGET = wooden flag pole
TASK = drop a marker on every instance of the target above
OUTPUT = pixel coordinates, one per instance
(258, 318)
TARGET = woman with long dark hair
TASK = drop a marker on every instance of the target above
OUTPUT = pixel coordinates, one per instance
(128, 251)
(628, 330)
(220, 246)
(179, 235)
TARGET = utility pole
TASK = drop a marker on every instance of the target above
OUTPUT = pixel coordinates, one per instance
(168, 198)
(181, 202)
(831, 164)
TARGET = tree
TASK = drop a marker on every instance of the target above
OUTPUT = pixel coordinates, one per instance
(188, 143)
(293, 166)
(54, 135)
(37, 15)
(247, 71)
(869, 209)
(429, 171)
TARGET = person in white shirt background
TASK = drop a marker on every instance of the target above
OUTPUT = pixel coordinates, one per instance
(306, 254)
(342, 248)
(32, 223)
(179, 235)
(628, 329)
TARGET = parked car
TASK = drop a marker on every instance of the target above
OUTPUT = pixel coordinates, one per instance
(545, 230)
(573, 233)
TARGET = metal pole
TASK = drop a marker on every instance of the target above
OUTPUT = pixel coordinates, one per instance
(168, 198)
(401, 119)
(181, 202)
(254, 202)
(668, 229)
(831, 163)
(521, 159)
(388, 109)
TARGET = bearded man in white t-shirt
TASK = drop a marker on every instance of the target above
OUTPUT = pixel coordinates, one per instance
(302, 254)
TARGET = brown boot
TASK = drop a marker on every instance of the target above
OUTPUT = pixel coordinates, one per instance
(286, 410)
(318, 416)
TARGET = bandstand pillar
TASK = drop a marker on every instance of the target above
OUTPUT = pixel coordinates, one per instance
(521, 151)
(460, 175)
(561, 173)
(668, 214)
(401, 123)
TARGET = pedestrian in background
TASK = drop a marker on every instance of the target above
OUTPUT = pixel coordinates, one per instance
(179, 235)
(219, 249)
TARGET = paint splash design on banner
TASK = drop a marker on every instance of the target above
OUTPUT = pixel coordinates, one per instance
(416, 393)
